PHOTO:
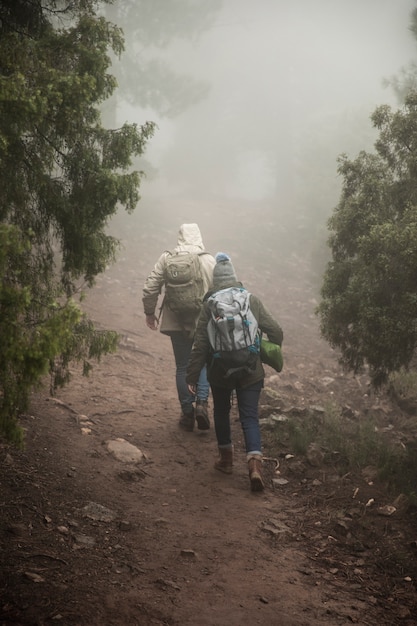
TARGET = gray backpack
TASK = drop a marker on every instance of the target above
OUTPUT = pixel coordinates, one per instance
(184, 284)
(233, 332)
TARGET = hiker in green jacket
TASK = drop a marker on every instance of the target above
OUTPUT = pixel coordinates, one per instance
(247, 388)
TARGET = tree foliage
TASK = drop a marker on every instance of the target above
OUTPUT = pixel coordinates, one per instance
(369, 293)
(149, 28)
(405, 81)
(63, 177)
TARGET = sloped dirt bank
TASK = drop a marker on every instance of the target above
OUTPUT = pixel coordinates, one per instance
(88, 539)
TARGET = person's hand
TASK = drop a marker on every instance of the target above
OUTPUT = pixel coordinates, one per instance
(192, 389)
(152, 321)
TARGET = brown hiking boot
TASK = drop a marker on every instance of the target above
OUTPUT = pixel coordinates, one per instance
(187, 421)
(201, 415)
(225, 463)
(255, 473)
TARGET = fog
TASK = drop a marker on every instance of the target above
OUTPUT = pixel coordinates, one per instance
(292, 85)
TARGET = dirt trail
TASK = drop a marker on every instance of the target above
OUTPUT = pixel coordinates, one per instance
(187, 545)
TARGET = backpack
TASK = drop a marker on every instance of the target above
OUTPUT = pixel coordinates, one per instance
(184, 284)
(233, 332)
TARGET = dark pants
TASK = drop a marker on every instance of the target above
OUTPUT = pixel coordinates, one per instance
(247, 401)
(181, 346)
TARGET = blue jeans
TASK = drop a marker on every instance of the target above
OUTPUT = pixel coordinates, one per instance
(247, 402)
(181, 346)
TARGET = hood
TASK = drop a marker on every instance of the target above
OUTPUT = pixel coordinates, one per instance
(189, 235)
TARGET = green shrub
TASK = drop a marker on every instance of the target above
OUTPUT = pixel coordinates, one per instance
(349, 445)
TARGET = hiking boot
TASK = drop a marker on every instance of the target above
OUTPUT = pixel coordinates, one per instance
(187, 420)
(225, 463)
(255, 473)
(201, 415)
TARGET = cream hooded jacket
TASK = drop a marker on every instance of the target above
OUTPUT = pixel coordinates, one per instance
(189, 239)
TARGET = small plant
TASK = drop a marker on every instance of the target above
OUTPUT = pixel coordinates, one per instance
(399, 469)
(403, 389)
(299, 437)
(355, 445)
(404, 382)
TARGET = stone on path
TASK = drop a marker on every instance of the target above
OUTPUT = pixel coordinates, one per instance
(125, 452)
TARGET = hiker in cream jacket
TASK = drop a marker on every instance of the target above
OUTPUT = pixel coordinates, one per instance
(179, 328)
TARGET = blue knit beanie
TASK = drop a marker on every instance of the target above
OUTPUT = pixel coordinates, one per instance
(224, 274)
(222, 256)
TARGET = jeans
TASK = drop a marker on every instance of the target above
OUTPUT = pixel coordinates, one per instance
(181, 346)
(247, 402)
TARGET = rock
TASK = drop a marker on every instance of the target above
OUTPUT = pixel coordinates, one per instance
(162, 582)
(272, 420)
(34, 577)
(132, 475)
(348, 412)
(188, 553)
(84, 540)
(279, 481)
(314, 455)
(386, 510)
(315, 408)
(271, 394)
(273, 378)
(274, 527)
(125, 452)
(98, 512)
(266, 422)
(327, 380)
(298, 411)
(401, 503)
(278, 418)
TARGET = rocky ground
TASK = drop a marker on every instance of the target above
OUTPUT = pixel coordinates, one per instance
(91, 537)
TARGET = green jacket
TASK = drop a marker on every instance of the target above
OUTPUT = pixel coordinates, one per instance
(202, 353)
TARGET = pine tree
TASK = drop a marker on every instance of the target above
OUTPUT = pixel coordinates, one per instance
(63, 177)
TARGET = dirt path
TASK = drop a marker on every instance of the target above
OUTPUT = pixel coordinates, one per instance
(176, 542)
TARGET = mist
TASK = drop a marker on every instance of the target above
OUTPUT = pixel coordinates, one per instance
(292, 85)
